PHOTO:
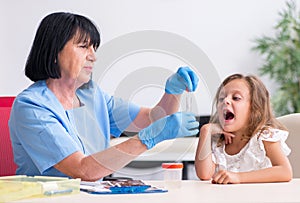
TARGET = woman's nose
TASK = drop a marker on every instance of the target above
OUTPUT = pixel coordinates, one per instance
(92, 54)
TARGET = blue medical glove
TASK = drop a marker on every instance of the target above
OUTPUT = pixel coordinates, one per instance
(173, 126)
(184, 79)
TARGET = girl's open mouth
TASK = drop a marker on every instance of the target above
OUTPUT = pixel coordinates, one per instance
(228, 115)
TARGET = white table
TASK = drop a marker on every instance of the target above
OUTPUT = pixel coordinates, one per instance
(196, 191)
(176, 150)
(180, 149)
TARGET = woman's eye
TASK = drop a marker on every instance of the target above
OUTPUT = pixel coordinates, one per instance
(85, 46)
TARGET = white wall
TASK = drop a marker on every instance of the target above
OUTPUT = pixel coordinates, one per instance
(223, 30)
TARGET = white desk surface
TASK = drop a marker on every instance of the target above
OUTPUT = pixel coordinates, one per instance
(195, 191)
(180, 149)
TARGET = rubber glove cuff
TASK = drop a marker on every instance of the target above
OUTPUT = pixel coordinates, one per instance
(173, 126)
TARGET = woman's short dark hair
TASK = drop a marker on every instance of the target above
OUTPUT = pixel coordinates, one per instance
(54, 31)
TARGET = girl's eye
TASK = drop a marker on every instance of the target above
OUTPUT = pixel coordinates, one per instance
(235, 98)
(221, 99)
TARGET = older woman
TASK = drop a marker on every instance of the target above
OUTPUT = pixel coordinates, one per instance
(61, 125)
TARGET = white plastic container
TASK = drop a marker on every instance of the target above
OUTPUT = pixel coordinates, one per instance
(172, 175)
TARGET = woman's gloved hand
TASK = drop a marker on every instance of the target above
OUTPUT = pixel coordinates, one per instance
(173, 126)
(183, 79)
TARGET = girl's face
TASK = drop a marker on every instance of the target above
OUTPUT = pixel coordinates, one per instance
(233, 106)
(76, 61)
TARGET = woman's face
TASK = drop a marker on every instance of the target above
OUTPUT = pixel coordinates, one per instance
(234, 106)
(76, 61)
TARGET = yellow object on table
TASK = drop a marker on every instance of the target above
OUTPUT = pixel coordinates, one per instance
(21, 187)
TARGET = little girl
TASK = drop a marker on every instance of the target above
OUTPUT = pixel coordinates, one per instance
(243, 143)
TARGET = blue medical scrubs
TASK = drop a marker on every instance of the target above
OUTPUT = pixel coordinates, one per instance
(43, 133)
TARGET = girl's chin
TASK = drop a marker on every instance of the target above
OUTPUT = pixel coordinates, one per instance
(227, 128)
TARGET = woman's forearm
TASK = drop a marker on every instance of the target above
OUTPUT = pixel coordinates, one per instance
(168, 104)
(118, 156)
(101, 164)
